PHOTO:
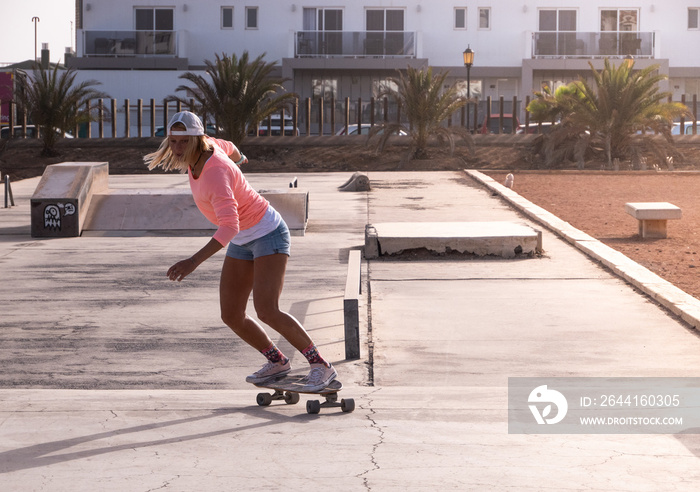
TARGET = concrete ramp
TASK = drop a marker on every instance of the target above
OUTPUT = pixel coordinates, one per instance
(173, 209)
(506, 239)
(145, 210)
(62, 198)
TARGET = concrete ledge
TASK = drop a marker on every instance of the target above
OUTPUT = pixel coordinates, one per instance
(60, 203)
(145, 209)
(506, 239)
(351, 305)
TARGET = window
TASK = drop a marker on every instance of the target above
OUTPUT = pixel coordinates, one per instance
(557, 20)
(384, 20)
(386, 37)
(557, 35)
(460, 18)
(475, 90)
(325, 88)
(324, 41)
(692, 87)
(693, 15)
(251, 17)
(323, 19)
(484, 18)
(383, 86)
(619, 20)
(226, 17)
(153, 19)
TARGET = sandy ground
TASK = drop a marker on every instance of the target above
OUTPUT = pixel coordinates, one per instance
(595, 204)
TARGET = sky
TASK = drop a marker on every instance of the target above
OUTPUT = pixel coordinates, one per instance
(54, 27)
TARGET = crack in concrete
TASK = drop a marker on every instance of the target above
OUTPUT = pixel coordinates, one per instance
(375, 447)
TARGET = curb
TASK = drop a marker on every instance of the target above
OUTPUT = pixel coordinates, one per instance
(661, 291)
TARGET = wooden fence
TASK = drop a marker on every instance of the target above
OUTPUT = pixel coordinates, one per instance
(314, 117)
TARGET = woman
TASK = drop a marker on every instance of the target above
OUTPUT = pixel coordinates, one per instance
(257, 241)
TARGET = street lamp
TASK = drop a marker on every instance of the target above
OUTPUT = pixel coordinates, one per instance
(35, 20)
(468, 62)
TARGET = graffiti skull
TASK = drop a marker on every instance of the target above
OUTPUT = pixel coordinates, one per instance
(52, 218)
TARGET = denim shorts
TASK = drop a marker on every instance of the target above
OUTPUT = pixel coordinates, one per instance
(277, 241)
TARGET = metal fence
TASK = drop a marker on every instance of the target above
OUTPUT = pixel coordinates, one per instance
(322, 116)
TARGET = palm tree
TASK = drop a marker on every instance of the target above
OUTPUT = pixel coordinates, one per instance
(55, 103)
(242, 93)
(427, 106)
(616, 118)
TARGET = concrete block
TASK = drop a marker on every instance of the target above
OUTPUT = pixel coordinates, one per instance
(506, 239)
(293, 205)
(371, 242)
(60, 203)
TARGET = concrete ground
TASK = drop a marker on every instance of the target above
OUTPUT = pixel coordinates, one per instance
(114, 378)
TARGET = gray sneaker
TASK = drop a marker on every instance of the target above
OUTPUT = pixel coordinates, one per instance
(269, 371)
(319, 377)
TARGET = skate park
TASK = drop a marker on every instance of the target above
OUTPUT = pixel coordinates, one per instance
(115, 378)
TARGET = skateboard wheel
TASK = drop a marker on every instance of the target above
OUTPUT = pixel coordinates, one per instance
(291, 398)
(264, 399)
(313, 407)
(347, 405)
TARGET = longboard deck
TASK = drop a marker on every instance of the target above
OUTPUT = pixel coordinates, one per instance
(295, 385)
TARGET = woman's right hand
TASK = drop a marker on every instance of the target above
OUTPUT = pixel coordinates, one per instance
(181, 269)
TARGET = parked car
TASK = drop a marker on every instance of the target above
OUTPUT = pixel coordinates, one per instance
(490, 124)
(534, 127)
(363, 130)
(31, 132)
(275, 124)
(211, 131)
(687, 127)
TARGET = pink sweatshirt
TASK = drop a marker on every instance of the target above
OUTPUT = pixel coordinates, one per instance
(224, 196)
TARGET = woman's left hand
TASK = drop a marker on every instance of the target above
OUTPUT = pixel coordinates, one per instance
(181, 269)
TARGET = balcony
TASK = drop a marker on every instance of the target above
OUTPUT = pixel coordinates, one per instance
(355, 44)
(129, 50)
(608, 44)
(130, 43)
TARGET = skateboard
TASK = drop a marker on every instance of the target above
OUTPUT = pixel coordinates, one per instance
(288, 388)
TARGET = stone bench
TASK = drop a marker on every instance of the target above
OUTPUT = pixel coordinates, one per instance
(652, 217)
(60, 203)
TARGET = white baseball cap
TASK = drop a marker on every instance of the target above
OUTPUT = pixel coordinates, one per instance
(191, 121)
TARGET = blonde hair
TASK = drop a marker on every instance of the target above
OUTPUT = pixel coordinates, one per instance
(165, 159)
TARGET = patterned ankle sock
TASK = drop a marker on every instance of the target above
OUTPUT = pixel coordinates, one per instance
(273, 354)
(312, 355)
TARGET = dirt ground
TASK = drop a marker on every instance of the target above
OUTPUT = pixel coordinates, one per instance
(595, 204)
(592, 201)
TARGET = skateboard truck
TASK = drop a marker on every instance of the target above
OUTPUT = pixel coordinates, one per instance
(288, 390)
(347, 405)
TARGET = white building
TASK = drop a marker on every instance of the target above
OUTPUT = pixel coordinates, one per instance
(347, 48)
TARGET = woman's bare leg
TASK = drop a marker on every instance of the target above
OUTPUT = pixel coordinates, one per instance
(237, 279)
(268, 282)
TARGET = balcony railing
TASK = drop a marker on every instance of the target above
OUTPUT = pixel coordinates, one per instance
(355, 44)
(129, 43)
(615, 44)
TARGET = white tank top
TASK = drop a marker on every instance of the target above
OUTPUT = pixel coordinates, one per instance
(270, 221)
